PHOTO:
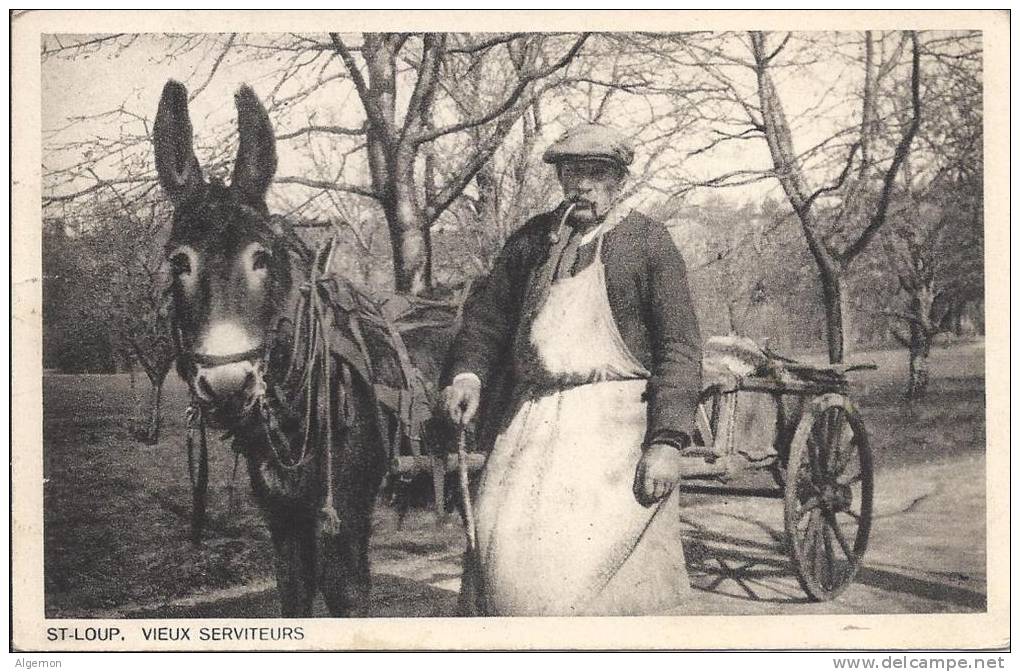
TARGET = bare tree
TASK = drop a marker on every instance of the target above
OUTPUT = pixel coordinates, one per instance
(405, 178)
(120, 290)
(840, 186)
(418, 147)
(834, 260)
(934, 243)
(424, 149)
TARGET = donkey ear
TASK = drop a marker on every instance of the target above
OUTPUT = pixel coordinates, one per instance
(176, 164)
(256, 155)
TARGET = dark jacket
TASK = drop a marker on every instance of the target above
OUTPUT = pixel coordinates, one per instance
(650, 300)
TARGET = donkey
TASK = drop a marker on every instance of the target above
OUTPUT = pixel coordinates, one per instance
(236, 277)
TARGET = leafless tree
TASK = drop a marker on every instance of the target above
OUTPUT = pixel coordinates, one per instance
(413, 189)
(423, 150)
(832, 256)
(121, 290)
(840, 186)
(418, 147)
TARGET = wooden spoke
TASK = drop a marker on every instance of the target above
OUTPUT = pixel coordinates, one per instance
(810, 531)
(845, 459)
(818, 440)
(834, 526)
(807, 507)
(822, 481)
(838, 458)
(829, 558)
(818, 555)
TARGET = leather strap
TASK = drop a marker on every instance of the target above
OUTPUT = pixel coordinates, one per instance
(219, 360)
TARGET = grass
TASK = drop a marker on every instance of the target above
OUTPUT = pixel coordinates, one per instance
(116, 511)
(947, 424)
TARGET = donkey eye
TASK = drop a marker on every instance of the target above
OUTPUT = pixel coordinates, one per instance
(260, 260)
(180, 264)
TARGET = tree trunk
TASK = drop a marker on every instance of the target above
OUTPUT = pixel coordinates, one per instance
(409, 233)
(734, 323)
(837, 331)
(412, 260)
(920, 347)
(155, 419)
(957, 323)
(922, 330)
(136, 401)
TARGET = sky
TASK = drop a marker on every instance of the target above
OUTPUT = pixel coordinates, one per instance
(133, 77)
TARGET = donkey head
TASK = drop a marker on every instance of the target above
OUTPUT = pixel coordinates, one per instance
(231, 270)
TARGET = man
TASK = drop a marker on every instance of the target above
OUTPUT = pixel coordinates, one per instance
(587, 319)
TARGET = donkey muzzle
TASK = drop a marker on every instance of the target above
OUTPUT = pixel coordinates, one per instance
(230, 388)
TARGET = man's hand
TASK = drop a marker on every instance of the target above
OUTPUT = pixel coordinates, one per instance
(461, 398)
(657, 473)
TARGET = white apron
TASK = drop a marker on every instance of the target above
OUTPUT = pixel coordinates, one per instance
(559, 529)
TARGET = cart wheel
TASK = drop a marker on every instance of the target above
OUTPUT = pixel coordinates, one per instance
(829, 486)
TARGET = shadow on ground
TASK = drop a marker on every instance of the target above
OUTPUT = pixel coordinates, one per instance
(753, 570)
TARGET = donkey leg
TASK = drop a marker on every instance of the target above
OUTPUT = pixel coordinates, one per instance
(346, 580)
(294, 540)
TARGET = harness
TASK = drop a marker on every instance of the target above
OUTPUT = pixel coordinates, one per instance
(334, 326)
(327, 340)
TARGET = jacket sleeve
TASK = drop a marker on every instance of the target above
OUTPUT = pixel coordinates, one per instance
(488, 320)
(675, 384)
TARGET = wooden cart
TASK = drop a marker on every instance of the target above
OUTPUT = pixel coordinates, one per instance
(798, 422)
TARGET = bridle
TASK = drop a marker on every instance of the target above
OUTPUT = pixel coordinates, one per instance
(309, 360)
(252, 355)
(260, 352)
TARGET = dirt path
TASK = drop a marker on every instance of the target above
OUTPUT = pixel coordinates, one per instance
(927, 554)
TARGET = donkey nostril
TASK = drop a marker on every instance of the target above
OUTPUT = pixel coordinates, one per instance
(205, 388)
(249, 381)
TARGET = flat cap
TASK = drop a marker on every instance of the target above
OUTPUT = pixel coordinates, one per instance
(591, 141)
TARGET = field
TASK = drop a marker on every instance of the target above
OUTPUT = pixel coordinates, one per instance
(116, 511)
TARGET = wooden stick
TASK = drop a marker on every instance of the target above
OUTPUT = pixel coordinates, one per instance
(422, 464)
(465, 492)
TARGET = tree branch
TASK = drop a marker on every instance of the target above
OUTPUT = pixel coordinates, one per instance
(782, 45)
(485, 44)
(215, 67)
(838, 184)
(424, 88)
(329, 186)
(375, 116)
(900, 155)
(509, 101)
(314, 128)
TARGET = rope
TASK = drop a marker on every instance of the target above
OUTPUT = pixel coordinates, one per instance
(231, 503)
(308, 380)
(317, 396)
(310, 354)
(195, 425)
(199, 481)
(329, 520)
